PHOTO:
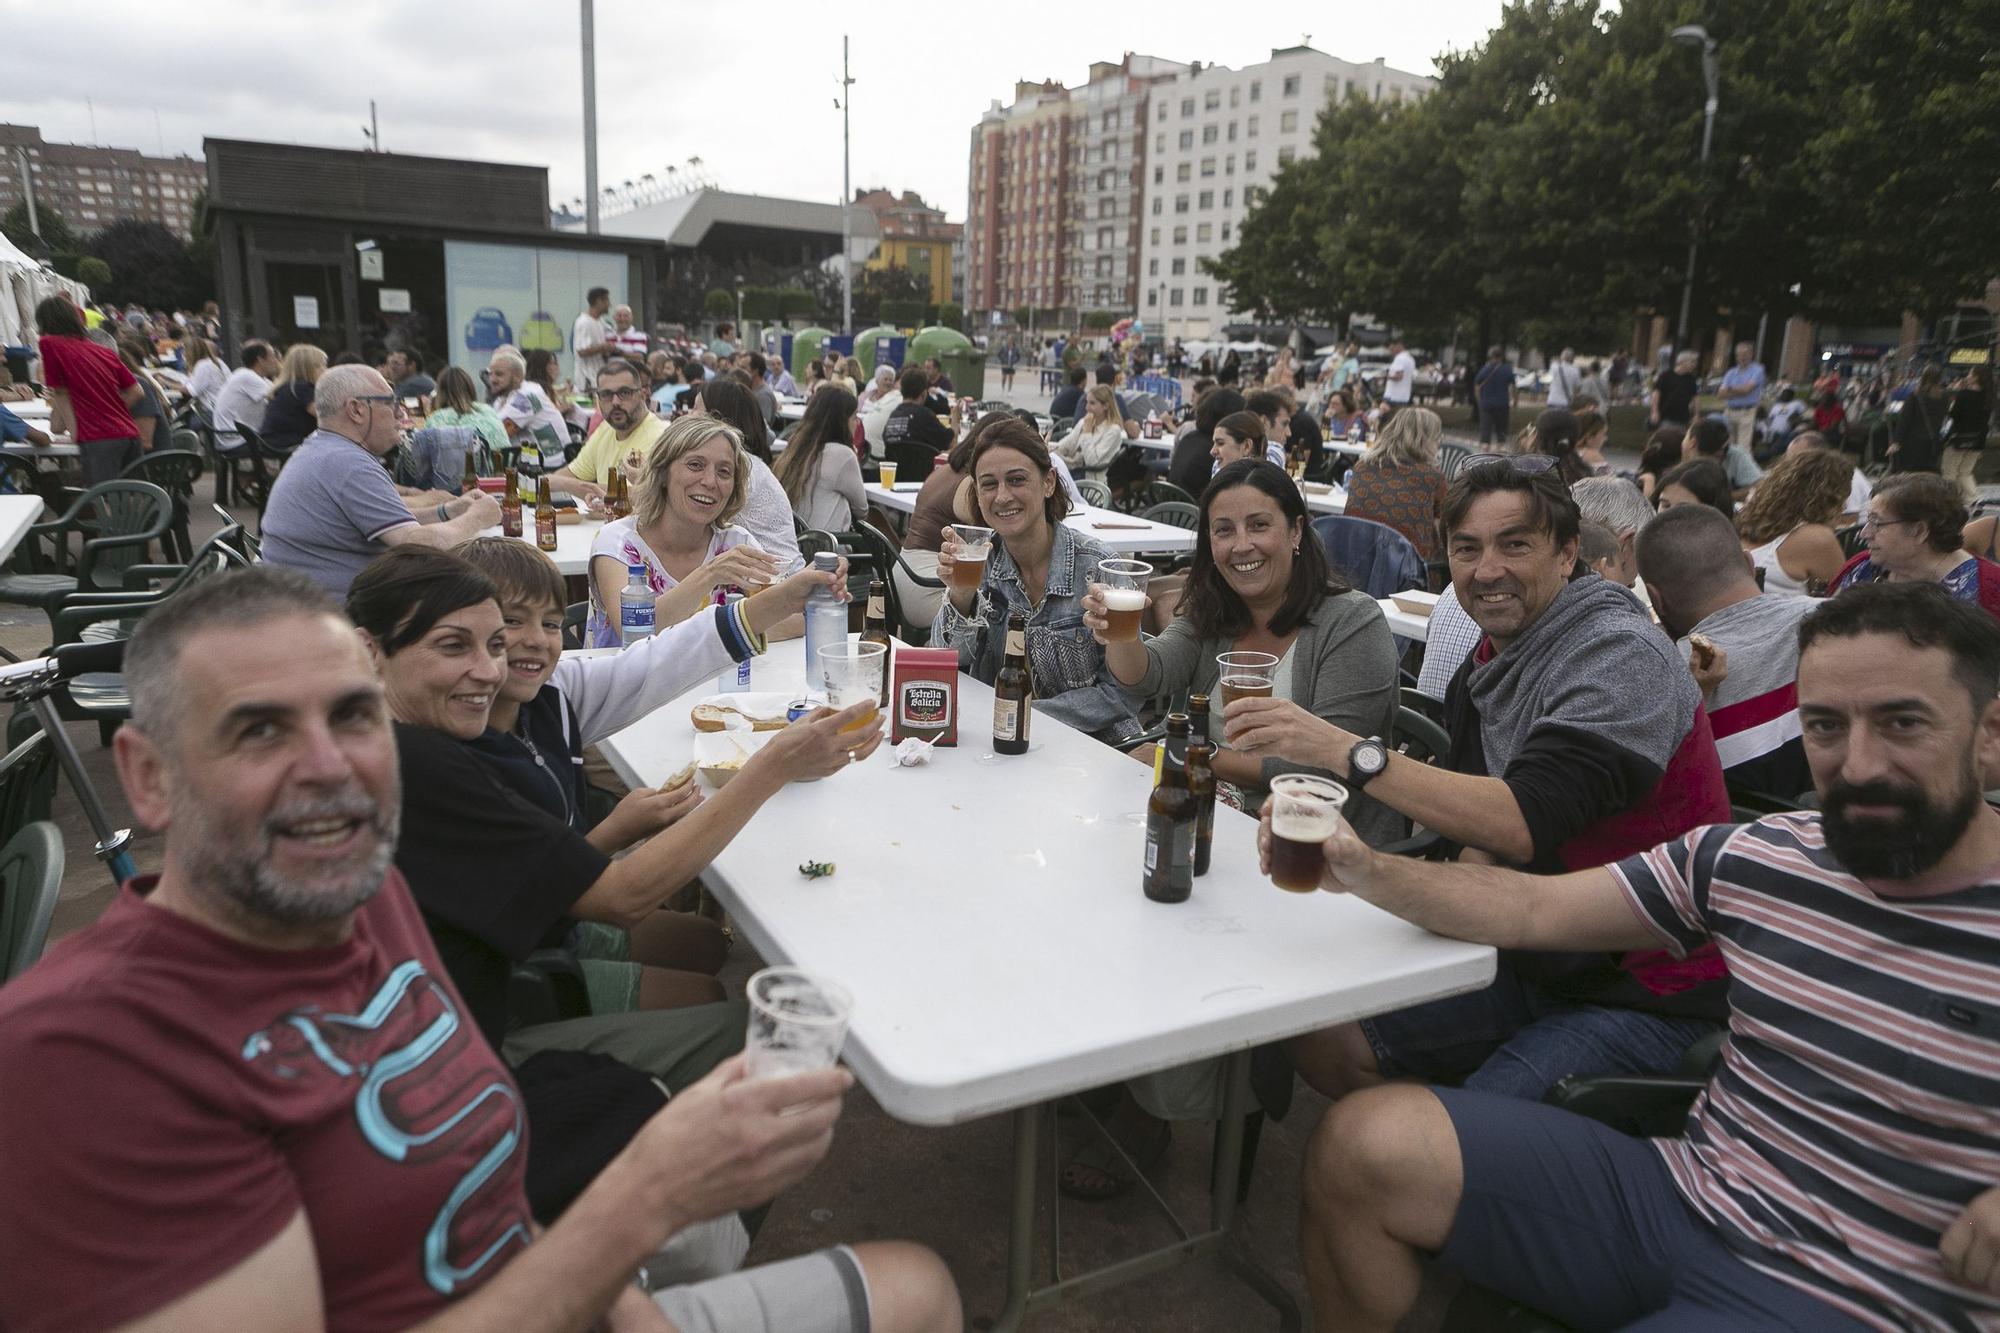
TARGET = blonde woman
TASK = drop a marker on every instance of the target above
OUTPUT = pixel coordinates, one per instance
(1788, 525)
(288, 416)
(682, 531)
(1398, 481)
(1095, 439)
(206, 371)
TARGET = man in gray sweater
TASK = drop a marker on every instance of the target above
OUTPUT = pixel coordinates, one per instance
(1577, 737)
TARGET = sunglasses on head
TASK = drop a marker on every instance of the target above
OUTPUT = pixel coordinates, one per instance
(1525, 464)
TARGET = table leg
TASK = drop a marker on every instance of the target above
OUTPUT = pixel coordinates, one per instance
(1021, 1226)
(1226, 1176)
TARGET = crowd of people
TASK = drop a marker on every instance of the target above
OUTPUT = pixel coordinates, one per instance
(371, 764)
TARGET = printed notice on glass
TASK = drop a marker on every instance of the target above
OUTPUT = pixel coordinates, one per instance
(305, 312)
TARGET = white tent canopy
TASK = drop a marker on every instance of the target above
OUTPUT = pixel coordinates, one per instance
(23, 285)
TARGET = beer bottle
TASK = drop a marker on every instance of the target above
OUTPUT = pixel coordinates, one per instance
(1013, 691)
(1170, 821)
(545, 515)
(469, 484)
(1201, 779)
(510, 505)
(619, 501)
(875, 629)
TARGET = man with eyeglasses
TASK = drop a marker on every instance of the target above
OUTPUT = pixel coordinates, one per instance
(630, 428)
(335, 507)
(1577, 737)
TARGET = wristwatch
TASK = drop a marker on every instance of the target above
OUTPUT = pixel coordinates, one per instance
(1365, 762)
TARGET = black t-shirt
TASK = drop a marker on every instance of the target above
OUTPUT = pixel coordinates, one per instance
(1676, 395)
(1067, 401)
(1191, 464)
(494, 871)
(286, 421)
(916, 423)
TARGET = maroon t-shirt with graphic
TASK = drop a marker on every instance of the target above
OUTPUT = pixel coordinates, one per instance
(170, 1098)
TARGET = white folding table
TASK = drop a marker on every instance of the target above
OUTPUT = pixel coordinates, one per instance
(1402, 623)
(1126, 534)
(986, 912)
(17, 514)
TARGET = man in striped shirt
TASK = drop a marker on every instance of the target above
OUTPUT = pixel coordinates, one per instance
(1743, 641)
(1839, 1172)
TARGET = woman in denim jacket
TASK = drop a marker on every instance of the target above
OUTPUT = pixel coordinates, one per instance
(1040, 568)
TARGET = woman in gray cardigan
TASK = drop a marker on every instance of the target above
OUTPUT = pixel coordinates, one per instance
(1261, 584)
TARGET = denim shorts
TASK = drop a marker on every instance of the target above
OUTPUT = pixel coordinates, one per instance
(1515, 1039)
(1585, 1224)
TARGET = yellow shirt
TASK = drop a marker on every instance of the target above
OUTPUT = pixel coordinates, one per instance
(602, 451)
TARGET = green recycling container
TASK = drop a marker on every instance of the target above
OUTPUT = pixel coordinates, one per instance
(954, 351)
(805, 346)
(864, 345)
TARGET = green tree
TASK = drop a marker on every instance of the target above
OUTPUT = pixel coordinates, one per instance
(148, 264)
(95, 274)
(718, 303)
(1549, 185)
(56, 238)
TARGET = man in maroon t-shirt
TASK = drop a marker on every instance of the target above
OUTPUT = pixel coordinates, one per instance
(249, 1096)
(1577, 738)
(94, 392)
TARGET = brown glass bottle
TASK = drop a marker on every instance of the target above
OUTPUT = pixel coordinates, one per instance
(1013, 691)
(545, 515)
(510, 504)
(875, 629)
(1201, 779)
(618, 496)
(1170, 821)
(469, 484)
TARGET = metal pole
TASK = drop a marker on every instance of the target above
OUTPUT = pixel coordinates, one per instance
(1711, 73)
(28, 190)
(589, 120)
(374, 128)
(846, 201)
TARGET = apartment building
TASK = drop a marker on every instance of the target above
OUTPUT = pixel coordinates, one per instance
(93, 187)
(1215, 138)
(915, 237)
(1055, 190)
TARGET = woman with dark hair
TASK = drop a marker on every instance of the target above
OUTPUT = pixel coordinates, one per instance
(1238, 436)
(767, 515)
(92, 393)
(1699, 481)
(820, 471)
(1038, 566)
(1915, 530)
(1557, 433)
(1660, 456)
(1971, 417)
(943, 500)
(1260, 583)
(149, 415)
(1193, 461)
(500, 871)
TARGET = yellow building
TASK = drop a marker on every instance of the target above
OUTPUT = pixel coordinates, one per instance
(915, 238)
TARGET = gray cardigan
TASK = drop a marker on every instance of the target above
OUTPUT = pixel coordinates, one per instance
(1343, 670)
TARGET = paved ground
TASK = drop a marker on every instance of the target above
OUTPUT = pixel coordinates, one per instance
(947, 1188)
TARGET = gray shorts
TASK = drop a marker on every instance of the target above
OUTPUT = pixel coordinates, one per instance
(822, 1292)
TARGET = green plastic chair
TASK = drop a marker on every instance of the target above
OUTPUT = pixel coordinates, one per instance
(1095, 493)
(1175, 514)
(31, 872)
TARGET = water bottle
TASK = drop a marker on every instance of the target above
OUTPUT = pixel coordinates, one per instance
(1355, 429)
(826, 621)
(735, 678)
(635, 607)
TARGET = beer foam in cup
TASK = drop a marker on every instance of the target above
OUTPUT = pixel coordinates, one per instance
(1305, 823)
(1124, 599)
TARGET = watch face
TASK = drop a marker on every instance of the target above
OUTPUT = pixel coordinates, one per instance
(1370, 758)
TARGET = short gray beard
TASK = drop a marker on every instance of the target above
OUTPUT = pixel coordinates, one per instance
(254, 891)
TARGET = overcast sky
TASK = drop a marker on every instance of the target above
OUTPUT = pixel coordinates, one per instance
(750, 89)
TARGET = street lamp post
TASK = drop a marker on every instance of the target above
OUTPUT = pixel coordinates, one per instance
(739, 308)
(1693, 34)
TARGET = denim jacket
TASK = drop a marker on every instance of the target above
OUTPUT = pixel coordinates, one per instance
(1064, 661)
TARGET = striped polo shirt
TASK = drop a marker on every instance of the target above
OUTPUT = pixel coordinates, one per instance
(1857, 1109)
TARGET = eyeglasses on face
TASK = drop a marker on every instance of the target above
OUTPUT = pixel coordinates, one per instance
(621, 395)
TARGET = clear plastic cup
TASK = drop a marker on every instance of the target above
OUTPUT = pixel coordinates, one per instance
(797, 1022)
(853, 675)
(888, 475)
(1305, 811)
(1245, 675)
(1122, 584)
(969, 561)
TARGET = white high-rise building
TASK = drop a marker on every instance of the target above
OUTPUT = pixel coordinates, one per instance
(1214, 135)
